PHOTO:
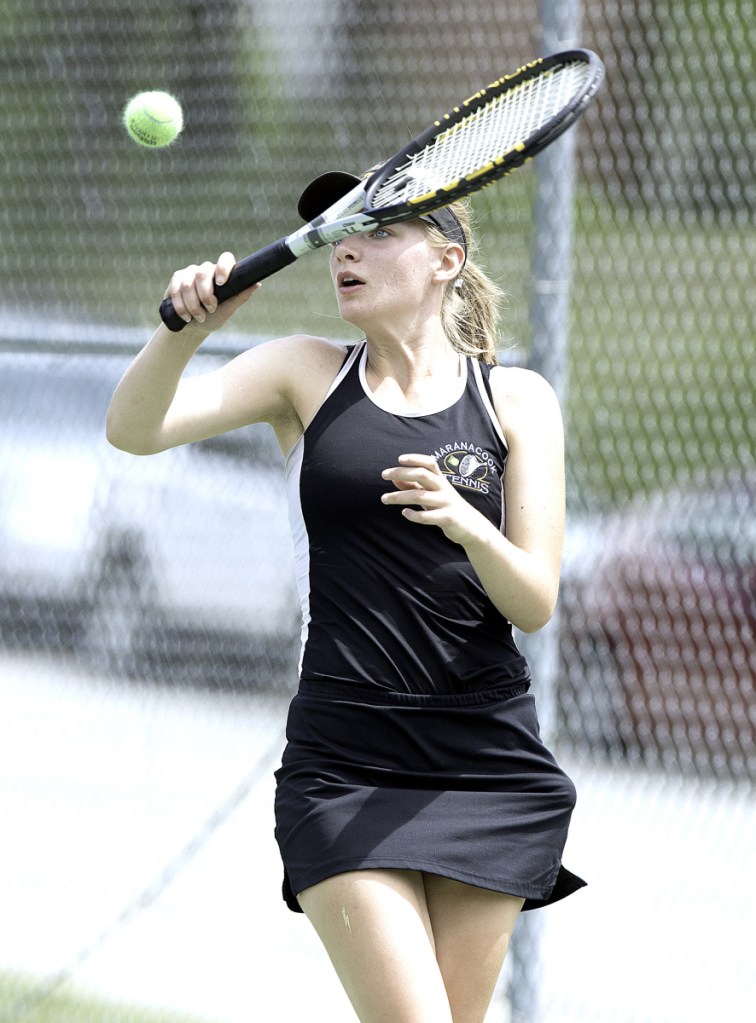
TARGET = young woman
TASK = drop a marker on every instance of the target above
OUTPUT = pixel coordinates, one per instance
(417, 810)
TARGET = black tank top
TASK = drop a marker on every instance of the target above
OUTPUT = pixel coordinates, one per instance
(386, 602)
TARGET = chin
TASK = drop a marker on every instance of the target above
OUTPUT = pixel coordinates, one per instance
(358, 318)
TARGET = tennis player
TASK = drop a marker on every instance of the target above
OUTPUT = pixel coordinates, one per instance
(417, 809)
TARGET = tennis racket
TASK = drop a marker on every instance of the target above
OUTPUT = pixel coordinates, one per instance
(485, 137)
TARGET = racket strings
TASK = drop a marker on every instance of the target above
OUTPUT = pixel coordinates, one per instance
(485, 136)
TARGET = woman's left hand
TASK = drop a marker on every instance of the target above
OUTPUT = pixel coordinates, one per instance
(419, 481)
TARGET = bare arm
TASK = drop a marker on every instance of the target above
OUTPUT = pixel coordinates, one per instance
(156, 407)
(519, 569)
(531, 547)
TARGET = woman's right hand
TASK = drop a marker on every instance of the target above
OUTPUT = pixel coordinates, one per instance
(192, 291)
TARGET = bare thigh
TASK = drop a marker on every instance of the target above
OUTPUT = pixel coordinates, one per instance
(411, 947)
(375, 927)
(472, 928)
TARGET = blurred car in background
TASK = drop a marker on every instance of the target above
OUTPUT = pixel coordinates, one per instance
(177, 559)
(658, 629)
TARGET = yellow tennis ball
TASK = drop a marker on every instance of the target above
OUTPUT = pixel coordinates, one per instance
(153, 119)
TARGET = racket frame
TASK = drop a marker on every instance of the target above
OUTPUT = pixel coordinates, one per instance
(507, 162)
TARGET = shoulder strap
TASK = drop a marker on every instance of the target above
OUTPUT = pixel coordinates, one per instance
(481, 372)
(353, 353)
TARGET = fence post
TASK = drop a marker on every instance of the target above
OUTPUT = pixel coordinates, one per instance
(549, 313)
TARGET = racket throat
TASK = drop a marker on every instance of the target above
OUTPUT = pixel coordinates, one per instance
(315, 236)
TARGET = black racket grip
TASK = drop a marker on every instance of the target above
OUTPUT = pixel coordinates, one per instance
(247, 272)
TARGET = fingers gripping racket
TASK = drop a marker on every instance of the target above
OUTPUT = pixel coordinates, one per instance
(489, 135)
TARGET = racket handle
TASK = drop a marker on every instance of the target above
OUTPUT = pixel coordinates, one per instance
(247, 272)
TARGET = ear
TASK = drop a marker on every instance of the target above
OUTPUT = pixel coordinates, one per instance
(450, 262)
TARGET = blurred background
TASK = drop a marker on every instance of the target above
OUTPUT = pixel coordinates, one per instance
(148, 618)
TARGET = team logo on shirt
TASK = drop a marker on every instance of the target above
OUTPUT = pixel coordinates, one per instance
(467, 466)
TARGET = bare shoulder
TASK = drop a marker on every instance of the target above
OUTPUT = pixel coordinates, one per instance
(284, 381)
(521, 385)
(311, 363)
(289, 355)
(523, 398)
(288, 369)
(312, 348)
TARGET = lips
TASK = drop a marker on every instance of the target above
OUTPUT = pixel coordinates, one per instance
(347, 281)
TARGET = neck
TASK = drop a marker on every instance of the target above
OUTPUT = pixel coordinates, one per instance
(411, 359)
(421, 376)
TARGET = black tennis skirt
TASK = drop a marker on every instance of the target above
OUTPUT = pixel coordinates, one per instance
(459, 786)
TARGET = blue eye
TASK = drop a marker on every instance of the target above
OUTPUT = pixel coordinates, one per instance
(377, 232)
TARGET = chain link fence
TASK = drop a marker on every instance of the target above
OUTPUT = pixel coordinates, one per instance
(148, 620)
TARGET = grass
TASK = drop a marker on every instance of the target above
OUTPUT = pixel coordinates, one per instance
(662, 353)
(20, 1002)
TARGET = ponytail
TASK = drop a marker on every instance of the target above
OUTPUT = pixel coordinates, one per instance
(470, 309)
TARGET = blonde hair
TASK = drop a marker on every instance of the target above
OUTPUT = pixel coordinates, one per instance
(470, 309)
(471, 303)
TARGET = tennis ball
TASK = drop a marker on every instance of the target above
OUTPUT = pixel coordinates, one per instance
(153, 119)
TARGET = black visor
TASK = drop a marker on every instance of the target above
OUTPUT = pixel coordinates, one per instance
(327, 189)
